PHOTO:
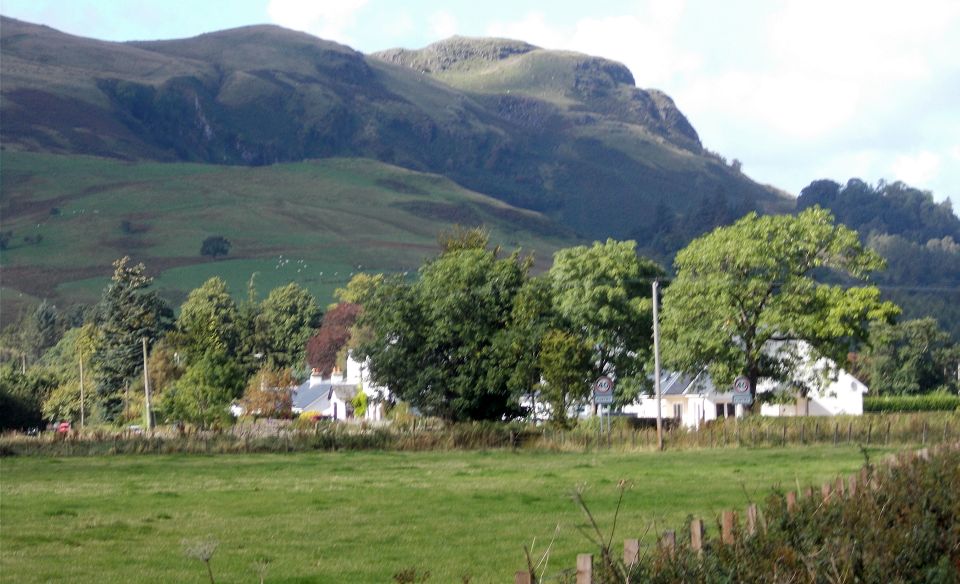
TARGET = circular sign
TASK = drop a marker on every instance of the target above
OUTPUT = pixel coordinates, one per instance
(741, 385)
(603, 385)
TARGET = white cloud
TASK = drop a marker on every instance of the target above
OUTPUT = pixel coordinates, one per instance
(918, 169)
(442, 25)
(532, 28)
(327, 19)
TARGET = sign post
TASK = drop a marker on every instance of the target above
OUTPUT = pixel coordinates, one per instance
(603, 395)
(741, 391)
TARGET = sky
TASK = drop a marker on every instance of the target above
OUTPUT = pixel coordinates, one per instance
(797, 90)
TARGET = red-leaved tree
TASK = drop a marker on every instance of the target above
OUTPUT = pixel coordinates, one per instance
(332, 337)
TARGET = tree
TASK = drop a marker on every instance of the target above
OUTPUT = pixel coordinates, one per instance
(39, 330)
(215, 245)
(742, 291)
(601, 294)
(206, 389)
(208, 320)
(126, 314)
(565, 362)
(268, 394)
(290, 315)
(909, 357)
(327, 348)
(441, 343)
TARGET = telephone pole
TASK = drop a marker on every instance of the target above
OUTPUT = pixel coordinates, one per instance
(146, 386)
(82, 414)
(656, 361)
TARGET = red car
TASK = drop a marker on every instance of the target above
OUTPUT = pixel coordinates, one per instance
(63, 427)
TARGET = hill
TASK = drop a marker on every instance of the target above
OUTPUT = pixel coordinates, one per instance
(919, 238)
(66, 218)
(565, 134)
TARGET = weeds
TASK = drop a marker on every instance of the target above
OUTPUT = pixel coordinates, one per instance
(202, 550)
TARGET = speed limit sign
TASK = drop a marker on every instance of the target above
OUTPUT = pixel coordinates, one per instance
(603, 390)
(741, 391)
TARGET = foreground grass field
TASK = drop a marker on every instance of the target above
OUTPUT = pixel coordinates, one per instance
(360, 516)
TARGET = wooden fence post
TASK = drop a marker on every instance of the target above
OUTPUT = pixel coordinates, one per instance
(631, 552)
(869, 432)
(849, 432)
(696, 535)
(791, 502)
(585, 569)
(752, 519)
(784, 441)
(522, 577)
(668, 542)
(887, 441)
(727, 521)
(836, 433)
(923, 438)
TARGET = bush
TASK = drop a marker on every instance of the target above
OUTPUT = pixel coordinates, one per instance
(932, 402)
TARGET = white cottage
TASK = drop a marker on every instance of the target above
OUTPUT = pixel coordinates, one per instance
(694, 399)
(332, 397)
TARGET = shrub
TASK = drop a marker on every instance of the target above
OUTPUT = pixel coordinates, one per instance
(932, 402)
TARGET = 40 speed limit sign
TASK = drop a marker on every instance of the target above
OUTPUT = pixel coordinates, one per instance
(741, 391)
(603, 391)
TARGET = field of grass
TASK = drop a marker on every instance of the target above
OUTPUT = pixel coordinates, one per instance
(361, 516)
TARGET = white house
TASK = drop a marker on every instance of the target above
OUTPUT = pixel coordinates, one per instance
(694, 399)
(332, 397)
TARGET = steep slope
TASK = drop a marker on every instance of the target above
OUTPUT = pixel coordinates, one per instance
(565, 134)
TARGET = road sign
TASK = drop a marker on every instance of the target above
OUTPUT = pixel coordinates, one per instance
(603, 390)
(741, 391)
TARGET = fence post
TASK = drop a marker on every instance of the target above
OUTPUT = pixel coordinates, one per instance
(631, 552)
(727, 521)
(849, 432)
(839, 487)
(585, 569)
(836, 433)
(522, 577)
(869, 432)
(803, 428)
(816, 432)
(825, 491)
(784, 435)
(668, 542)
(923, 439)
(751, 519)
(888, 433)
(791, 501)
(696, 535)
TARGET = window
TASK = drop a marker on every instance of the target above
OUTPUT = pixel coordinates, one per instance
(731, 410)
(721, 411)
(678, 410)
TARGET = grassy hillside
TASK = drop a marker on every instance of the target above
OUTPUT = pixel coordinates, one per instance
(562, 133)
(313, 222)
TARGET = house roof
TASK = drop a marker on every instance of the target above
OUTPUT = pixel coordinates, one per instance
(676, 383)
(310, 392)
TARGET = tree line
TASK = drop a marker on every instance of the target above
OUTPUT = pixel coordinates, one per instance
(477, 336)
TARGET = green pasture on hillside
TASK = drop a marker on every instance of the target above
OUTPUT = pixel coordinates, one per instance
(362, 516)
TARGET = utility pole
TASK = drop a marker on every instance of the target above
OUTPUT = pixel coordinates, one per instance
(146, 386)
(656, 361)
(82, 414)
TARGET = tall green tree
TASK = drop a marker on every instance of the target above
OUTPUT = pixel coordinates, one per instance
(208, 320)
(289, 314)
(127, 313)
(742, 290)
(442, 343)
(601, 295)
(565, 363)
(910, 357)
(204, 394)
